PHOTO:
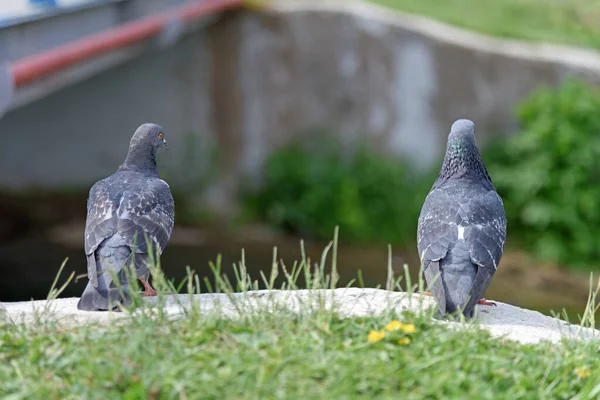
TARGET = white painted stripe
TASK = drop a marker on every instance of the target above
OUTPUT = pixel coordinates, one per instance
(7, 88)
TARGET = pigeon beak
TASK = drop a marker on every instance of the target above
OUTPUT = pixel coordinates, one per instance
(165, 144)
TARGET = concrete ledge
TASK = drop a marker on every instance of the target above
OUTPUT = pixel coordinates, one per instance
(504, 321)
(567, 56)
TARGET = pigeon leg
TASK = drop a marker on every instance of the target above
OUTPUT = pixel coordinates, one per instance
(149, 291)
(484, 302)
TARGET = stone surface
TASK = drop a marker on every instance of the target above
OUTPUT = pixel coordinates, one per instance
(503, 321)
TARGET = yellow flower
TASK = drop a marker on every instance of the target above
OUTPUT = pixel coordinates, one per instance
(375, 336)
(409, 328)
(404, 341)
(582, 372)
(394, 325)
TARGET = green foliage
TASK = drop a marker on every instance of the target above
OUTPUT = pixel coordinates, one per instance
(311, 190)
(548, 174)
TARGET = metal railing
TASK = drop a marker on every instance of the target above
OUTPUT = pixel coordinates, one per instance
(32, 68)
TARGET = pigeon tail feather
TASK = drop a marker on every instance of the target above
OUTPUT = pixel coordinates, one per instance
(457, 280)
(111, 256)
(457, 275)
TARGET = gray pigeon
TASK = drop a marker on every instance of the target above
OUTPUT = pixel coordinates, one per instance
(122, 210)
(462, 226)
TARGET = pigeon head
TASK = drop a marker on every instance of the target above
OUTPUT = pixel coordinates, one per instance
(462, 155)
(149, 134)
(146, 140)
(462, 133)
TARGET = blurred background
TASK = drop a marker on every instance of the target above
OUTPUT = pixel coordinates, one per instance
(286, 119)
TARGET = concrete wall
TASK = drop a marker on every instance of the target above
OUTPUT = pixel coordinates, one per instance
(254, 81)
(82, 132)
(401, 81)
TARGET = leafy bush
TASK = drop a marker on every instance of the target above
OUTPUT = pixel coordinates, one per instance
(310, 190)
(549, 174)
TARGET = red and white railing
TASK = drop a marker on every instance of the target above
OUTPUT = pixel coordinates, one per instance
(32, 68)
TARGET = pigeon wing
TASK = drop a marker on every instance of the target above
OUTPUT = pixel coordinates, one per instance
(436, 231)
(436, 226)
(486, 236)
(148, 213)
(101, 223)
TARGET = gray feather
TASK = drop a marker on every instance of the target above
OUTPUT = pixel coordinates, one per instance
(122, 211)
(462, 226)
(111, 258)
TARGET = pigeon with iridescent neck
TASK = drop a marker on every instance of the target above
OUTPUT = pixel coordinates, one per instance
(122, 211)
(462, 227)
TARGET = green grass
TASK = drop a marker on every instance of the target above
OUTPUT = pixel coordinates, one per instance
(573, 22)
(281, 356)
(313, 354)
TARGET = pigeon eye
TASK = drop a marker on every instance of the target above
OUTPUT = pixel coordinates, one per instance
(160, 135)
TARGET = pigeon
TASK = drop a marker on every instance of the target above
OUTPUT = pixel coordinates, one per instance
(462, 227)
(122, 211)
